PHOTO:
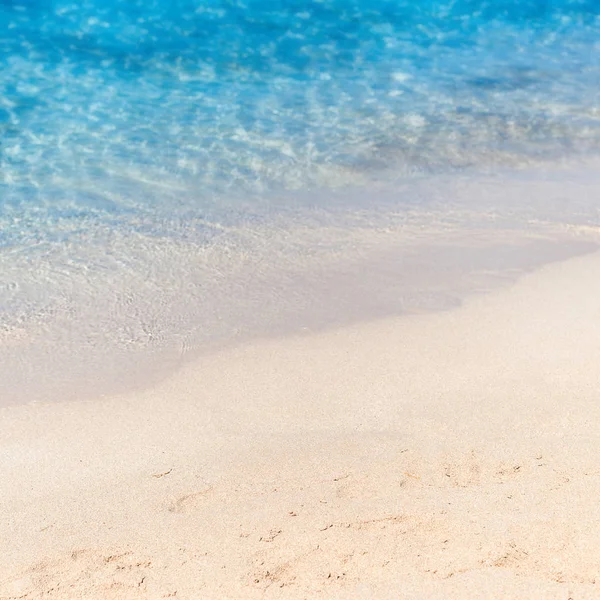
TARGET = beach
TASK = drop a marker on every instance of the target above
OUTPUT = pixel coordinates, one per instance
(299, 299)
(440, 454)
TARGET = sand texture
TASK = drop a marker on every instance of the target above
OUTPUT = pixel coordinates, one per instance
(435, 456)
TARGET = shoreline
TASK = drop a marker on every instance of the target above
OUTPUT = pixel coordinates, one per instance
(78, 324)
(442, 454)
(390, 278)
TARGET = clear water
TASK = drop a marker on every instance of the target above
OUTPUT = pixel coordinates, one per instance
(136, 136)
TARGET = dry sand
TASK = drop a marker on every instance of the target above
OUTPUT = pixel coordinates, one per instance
(448, 455)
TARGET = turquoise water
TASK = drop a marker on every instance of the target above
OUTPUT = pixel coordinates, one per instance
(134, 134)
(124, 110)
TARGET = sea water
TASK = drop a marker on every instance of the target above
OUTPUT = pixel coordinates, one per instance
(158, 158)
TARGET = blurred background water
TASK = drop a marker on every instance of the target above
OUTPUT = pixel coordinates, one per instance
(137, 136)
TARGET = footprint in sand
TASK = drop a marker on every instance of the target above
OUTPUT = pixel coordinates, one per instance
(189, 502)
(89, 574)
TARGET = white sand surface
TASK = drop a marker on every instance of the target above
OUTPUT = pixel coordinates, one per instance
(447, 455)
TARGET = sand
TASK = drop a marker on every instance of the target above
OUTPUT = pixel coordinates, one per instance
(443, 455)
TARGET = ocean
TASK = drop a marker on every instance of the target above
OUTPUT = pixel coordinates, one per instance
(179, 174)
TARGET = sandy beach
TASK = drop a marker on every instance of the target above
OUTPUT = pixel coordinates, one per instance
(300, 300)
(444, 455)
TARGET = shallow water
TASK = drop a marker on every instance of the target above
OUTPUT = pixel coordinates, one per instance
(158, 159)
